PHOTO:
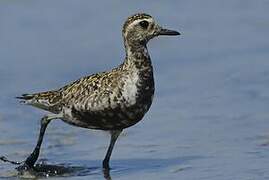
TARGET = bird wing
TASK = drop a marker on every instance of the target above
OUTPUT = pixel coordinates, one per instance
(87, 93)
(92, 92)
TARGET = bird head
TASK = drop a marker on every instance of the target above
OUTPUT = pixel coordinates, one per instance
(140, 28)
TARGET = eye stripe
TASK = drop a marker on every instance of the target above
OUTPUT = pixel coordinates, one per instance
(135, 18)
(150, 26)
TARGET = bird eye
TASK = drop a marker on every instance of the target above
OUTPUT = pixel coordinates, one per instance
(144, 24)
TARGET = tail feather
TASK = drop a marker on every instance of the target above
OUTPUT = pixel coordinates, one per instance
(26, 96)
(43, 100)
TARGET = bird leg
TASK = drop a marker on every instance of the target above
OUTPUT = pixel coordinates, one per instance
(32, 158)
(114, 136)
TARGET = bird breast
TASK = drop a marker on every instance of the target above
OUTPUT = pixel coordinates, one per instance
(130, 88)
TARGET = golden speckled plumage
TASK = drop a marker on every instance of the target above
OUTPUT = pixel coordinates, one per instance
(111, 100)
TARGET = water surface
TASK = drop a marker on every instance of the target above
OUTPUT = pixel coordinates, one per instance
(209, 119)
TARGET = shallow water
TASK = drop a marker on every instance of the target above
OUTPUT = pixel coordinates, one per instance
(209, 119)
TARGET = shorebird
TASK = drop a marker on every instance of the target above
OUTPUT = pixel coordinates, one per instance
(111, 100)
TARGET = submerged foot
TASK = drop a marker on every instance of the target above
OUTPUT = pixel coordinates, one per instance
(24, 167)
(106, 173)
(4, 159)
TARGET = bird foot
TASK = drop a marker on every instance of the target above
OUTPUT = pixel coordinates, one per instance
(24, 167)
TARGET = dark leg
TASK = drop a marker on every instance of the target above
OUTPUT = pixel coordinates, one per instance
(106, 173)
(30, 161)
(114, 136)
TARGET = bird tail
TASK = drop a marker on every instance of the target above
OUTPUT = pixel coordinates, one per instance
(44, 100)
(26, 98)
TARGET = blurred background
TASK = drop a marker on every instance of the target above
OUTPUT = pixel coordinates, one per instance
(209, 119)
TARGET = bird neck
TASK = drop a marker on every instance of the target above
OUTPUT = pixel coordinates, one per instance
(137, 54)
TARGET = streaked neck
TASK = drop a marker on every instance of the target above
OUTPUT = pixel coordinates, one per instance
(136, 53)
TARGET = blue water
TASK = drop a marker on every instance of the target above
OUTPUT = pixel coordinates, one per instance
(209, 119)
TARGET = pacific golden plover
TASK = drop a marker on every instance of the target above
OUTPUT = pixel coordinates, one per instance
(111, 100)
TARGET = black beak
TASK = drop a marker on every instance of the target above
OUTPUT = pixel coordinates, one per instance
(168, 32)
